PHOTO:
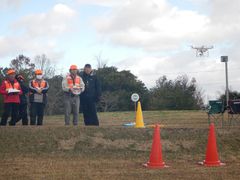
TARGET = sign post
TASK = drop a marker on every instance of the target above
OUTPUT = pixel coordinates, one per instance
(225, 59)
(135, 99)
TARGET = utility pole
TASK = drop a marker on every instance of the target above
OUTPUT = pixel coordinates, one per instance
(225, 59)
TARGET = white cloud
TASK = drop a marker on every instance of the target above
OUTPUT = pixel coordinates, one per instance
(225, 17)
(13, 46)
(52, 23)
(107, 3)
(151, 25)
(38, 33)
(157, 25)
(11, 3)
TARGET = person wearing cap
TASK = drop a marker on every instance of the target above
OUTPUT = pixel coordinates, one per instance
(90, 96)
(11, 91)
(72, 86)
(38, 89)
(23, 101)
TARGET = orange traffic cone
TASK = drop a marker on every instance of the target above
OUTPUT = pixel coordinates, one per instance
(139, 117)
(211, 153)
(156, 161)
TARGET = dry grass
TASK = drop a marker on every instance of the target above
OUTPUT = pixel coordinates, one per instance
(116, 152)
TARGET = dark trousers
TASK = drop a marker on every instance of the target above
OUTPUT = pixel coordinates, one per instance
(10, 108)
(23, 114)
(89, 112)
(36, 113)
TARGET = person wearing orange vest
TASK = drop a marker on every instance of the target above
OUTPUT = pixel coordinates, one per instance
(38, 89)
(72, 86)
(11, 91)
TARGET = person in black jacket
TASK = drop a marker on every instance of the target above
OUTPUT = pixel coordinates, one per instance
(90, 96)
(23, 101)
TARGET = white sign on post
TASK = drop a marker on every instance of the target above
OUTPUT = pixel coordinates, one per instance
(135, 97)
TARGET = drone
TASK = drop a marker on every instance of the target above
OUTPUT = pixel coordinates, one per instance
(202, 51)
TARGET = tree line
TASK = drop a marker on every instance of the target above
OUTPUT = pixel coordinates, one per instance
(182, 93)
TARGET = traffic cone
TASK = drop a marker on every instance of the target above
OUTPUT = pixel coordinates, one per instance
(139, 116)
(211, 153)
(156, 161)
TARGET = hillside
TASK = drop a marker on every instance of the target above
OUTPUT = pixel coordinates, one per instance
(116, 152)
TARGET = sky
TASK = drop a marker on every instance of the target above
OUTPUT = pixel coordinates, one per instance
(150, 38)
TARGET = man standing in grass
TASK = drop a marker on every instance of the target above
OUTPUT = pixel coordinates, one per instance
(72, 86)
(11, 91)
(90, 96)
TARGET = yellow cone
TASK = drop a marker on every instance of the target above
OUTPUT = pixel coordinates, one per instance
(139, 117)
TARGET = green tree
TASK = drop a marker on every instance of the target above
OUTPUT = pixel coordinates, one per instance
(23, 66)
(55, 103)
(117, 88)
(232, 95)
(175, 94)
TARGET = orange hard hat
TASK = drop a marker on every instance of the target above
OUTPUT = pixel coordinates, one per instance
(73, 67)
(11, 71)
(38, 72)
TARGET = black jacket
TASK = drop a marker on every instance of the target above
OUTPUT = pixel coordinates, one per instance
(92, 87)
(23, 97)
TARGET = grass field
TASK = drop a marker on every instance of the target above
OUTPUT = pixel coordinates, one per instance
(112, 151)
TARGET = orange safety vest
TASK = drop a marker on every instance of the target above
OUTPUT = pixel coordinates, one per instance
(73, 82)
(9, 85)
(36, 84)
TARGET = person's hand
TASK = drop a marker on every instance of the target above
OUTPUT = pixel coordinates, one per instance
(39, 91)
(71, 91)
(13, 93)
(81, 90)
(9, 91)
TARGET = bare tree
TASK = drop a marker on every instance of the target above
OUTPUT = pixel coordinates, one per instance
(108, 101)
(43, 63)
(101, 63)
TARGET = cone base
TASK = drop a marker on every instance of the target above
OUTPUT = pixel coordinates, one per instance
(155, 166)
(139, 126)
(211, 164)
